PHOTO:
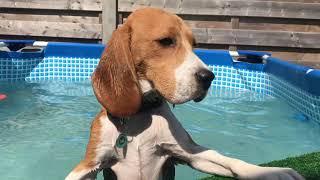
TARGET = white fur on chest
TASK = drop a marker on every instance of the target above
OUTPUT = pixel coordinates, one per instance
(143, 140)
(141, 154)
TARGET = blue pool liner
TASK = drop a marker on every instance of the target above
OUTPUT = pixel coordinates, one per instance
(303, 77)
(78, 50)
(214, 57)
(21, 55)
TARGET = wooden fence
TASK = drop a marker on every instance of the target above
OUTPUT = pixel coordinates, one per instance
(290, 29)
(62, 20)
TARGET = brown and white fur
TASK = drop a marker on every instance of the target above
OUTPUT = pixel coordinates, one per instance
(153, 50)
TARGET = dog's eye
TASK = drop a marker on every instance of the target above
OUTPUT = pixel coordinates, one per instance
(166, 42)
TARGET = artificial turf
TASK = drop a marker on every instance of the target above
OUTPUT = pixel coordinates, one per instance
(308, 165)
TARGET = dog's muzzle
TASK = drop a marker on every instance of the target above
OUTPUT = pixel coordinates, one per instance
(205, 78)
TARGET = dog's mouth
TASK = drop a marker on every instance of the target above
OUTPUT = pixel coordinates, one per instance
(200, 97)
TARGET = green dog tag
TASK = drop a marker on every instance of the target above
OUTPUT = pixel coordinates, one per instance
(122, 141)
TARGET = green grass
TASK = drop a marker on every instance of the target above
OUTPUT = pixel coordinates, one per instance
(307, 165)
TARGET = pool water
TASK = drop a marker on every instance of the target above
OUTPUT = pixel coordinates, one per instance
(44, 128)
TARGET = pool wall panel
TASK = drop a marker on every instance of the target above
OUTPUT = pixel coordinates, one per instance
(76, 50)
(297, 85)
(303, 77)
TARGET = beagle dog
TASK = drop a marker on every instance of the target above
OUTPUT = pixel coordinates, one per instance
(152, 52)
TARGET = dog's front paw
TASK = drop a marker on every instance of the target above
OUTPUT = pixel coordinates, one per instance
(272, 173)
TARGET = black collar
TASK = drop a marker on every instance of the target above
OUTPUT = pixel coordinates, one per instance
(150, 100)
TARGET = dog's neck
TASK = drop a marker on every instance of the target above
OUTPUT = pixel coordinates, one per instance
(150, 100)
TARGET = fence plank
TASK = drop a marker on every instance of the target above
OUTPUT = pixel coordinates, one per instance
(87, 5)
(301, 1)
(230, 8)
(50, 18)
(235, 25)
(209, 24)
(257, 38)
(296, 25)
(109, 19)
(50, 29)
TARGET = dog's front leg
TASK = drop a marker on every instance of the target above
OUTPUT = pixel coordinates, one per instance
(212, 162)
(177, 142)
(87, 171)
(84, 171)
(100, 150)
(200, 160)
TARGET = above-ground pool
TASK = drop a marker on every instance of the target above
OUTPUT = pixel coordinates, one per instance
(260, 111)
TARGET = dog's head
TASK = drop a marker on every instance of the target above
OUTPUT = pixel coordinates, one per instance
(151, 50)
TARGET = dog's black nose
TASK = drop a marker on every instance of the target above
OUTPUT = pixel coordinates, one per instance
(205, 77)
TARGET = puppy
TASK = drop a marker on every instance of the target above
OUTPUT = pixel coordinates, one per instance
(152, 51)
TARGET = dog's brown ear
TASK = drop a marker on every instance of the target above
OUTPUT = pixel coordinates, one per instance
(114, 81)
